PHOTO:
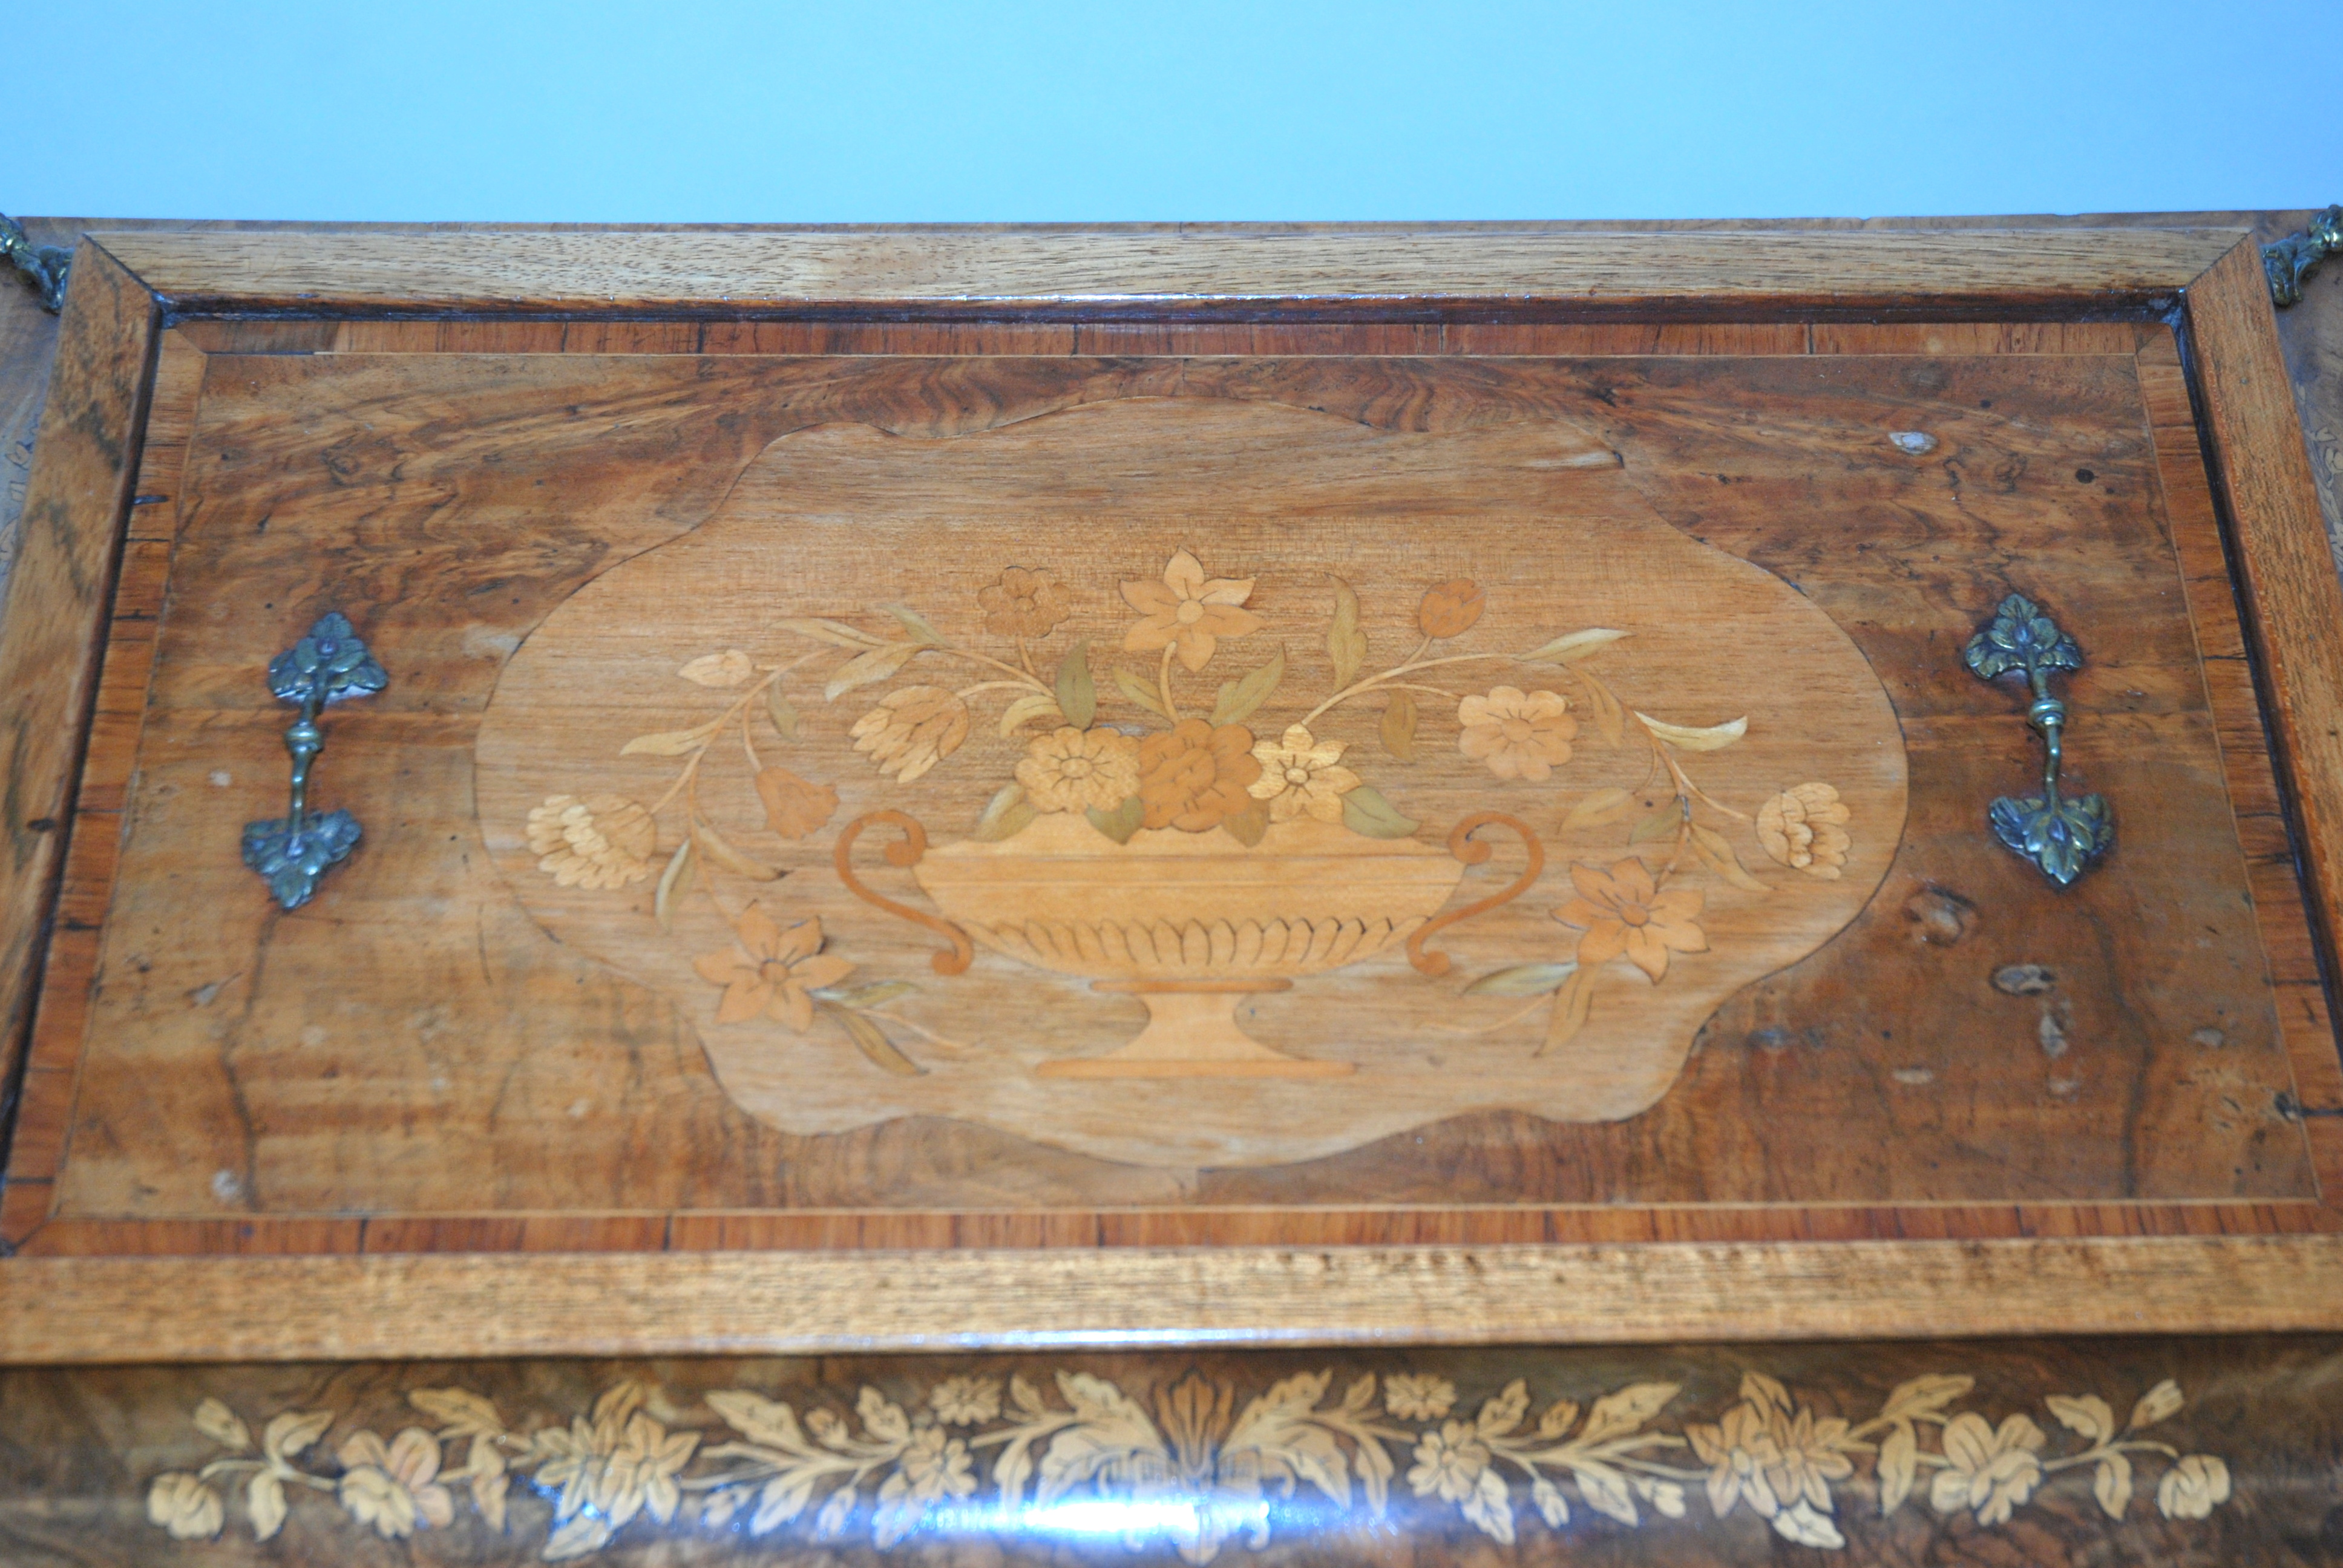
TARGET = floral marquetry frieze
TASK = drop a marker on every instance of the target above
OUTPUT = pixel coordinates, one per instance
(1866, 1453)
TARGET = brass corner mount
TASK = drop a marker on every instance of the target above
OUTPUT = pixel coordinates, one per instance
(2294, 258)
(43, 265)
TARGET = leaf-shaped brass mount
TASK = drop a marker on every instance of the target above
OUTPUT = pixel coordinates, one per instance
(2060, 836)
(293, 851)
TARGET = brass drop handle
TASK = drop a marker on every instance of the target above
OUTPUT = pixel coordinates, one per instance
(2060, 835)
(292, 852)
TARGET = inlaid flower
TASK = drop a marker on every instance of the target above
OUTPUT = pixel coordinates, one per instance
(1805, 829)
(1739, 1451)
(1074, 770)
(184, 1506)
(610, 1468)
(1188, 612)
(1989, 1470)
(1195, 777)
(393, 1487)
(911, 730)
(599, 841)
(965, 1401)
(1450, 1463)
(1023, 603)
(773, 970)
(1622, 911)
(1451, 608)
(1302, 774)
(1518, 734)
(2193, 1488)
(934, 1466)
(1418, 1396)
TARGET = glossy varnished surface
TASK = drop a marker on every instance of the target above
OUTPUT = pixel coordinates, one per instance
(2159, 1451)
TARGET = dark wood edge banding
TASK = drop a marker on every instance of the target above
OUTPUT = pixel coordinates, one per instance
(85, 457)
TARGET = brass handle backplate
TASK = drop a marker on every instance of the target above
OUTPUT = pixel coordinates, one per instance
(2060, 835)
(293, 851)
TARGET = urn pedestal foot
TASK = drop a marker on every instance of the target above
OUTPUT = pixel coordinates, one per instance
(1191, 1032)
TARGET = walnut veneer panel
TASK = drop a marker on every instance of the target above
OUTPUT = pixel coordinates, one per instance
(452, 502)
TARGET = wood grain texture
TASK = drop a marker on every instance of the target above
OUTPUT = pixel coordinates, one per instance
(2294, 602)
(83, 1450)
(579, 1303)
(1961, 1141)
(52, 639)
(1101, 273)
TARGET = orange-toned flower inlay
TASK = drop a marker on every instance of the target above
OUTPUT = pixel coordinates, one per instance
(1519, 734)
(774, 970)
(1188, 612)
(1622, 911)
(1195, 776)
(1023, 603)
(1078, 770)
(1451, 608)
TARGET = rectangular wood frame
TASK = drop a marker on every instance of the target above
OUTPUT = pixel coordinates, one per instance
(130, 286)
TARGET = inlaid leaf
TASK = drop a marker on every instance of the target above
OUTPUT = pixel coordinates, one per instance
(1005, 816)
(1551, 1506)
(1250, 826)
(778, 709)
(1077, 694)
(1571, 1005)
(1503, 1413)
(1139, 691)
(1606, 1490)
(1924, 1395)
(292, 1433)
(916, 624)
(1239, 697)
(1593, 810)
(1610, 718)
(264, 1501)
(670, 885)
(730, 667)
(459, 1411)
(794, 807)
(783, 1499)
(1808, 1526)
(873, 1041)
(2087, 1415)
(1659, 824)
(1032, 706)
(1121, 822)
(837, 633)
(1398, 730)
(1490, 1506)
(1899, 1457)
(2155, 1404)
(1617, 1414)
(760, 1419)
(861, 996)
(1522, 980)
(1574, 646)
(1717, 853)
(1346, 645)
(882, 1418)
(222, 1425)
(1364, 811)
(867, 669)
(1686, 738)
(1557, 1418)
(721, 852)
(671, 742)
(2111, 1484)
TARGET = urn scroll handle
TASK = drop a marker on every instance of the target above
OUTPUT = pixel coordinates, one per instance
(906, 852)
(1473, 852)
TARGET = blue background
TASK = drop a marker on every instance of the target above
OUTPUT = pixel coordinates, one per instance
(684, 112)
